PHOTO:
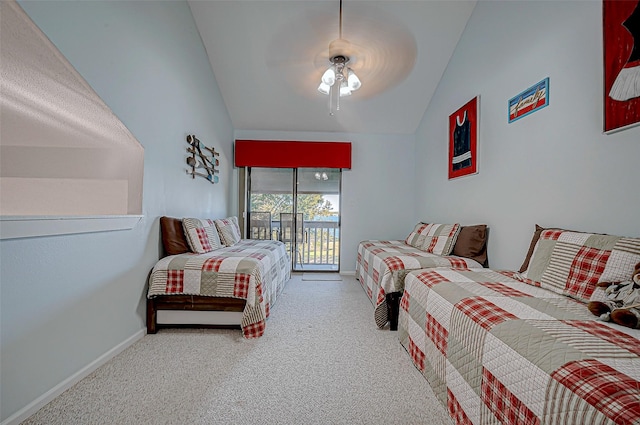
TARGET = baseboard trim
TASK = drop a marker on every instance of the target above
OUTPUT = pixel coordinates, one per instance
(54, 392)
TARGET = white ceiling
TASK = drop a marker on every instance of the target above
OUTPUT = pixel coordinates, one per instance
(268, 57)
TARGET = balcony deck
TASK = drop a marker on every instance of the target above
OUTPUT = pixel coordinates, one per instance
(318, 244)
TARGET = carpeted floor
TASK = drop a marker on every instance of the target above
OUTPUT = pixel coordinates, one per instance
(321, 276)
(321, 361)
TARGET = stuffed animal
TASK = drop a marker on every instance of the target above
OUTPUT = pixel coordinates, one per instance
(622, 305)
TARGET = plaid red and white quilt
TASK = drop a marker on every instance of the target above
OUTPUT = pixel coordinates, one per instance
(382, 266)
(253, 270)
(497, 350)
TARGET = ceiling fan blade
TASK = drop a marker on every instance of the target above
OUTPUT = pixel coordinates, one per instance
(381, 49)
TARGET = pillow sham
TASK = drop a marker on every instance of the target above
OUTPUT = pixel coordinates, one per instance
(201, 235)
(229, 230)
(416, 237)
(625, 254)
(532, 245)
(173, 239)
(572, 263)
(472, 243)
(437, 239)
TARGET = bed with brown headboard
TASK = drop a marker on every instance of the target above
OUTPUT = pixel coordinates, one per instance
(208, 276)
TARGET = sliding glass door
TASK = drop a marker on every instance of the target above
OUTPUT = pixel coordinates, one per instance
(318, 199)
(300, 207)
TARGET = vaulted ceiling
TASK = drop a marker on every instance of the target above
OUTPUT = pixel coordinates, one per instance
(268, 57)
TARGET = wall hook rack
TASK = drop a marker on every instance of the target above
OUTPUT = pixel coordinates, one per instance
(202, 160)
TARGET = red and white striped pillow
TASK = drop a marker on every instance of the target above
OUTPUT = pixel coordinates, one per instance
(437, 239)
(573, 263)
(202, 235)
(229, 230)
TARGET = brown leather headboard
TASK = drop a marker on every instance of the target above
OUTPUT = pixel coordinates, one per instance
(173, 238)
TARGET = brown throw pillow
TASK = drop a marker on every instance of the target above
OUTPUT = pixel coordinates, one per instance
(472, 243)
(534, 240)
(173, 238)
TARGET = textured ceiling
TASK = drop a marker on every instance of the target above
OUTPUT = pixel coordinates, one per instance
(268, 57)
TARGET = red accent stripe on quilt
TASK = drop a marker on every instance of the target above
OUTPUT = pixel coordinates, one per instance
(381, 296)
(611, 392)
(509, 273)
(212, 264)
(404, 301)
(394, 263)
(254, 330)
(457, 263)
(430, 278)
(416, 355)
(241, 285)
(455, 410)
(483, 312)
(504, 289)
(607, 333)
(175, 282)
(507, 408)
(437, 333)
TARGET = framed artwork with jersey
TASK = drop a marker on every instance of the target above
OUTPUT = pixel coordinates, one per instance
(463, 140)
(621, 41)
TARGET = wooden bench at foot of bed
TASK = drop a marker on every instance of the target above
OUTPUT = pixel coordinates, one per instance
(189, 303)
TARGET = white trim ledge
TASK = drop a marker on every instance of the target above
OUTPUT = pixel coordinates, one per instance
(15, 227)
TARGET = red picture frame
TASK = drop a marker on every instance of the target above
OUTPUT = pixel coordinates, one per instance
(463, 140)
(621, 42)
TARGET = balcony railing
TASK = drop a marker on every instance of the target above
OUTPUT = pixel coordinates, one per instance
(318, 244)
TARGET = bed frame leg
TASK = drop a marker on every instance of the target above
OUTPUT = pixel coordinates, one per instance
(393, 306)
(151, 316)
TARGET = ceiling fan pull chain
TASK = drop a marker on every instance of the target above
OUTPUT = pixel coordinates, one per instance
(331, 91)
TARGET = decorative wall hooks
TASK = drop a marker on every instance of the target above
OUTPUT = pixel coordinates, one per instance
(202, 157)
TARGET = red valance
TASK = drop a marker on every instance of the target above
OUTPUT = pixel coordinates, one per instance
(292, 154)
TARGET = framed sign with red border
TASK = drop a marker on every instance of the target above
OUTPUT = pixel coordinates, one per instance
(621, 41)
(463, 140)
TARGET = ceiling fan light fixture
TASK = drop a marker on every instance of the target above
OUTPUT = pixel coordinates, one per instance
(345, 90)
(347, 83)
(324, 88)
(329, 77)
(353, 80)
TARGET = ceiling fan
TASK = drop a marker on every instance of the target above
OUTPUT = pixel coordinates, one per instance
(380, 49)
(384, 55)
(339, 79)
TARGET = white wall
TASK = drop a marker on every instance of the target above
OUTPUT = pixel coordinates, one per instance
(553, 167)
(378, 191)
(66, 300)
